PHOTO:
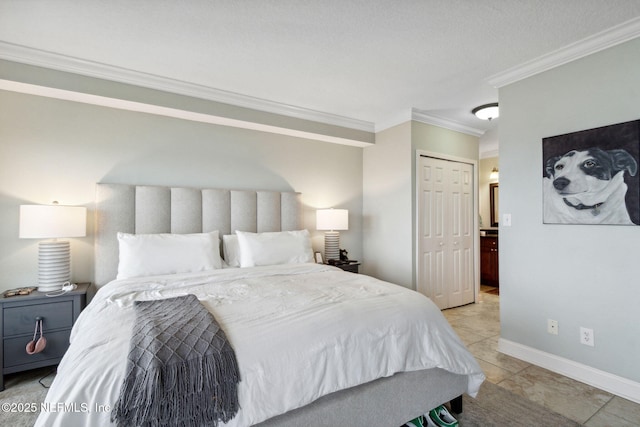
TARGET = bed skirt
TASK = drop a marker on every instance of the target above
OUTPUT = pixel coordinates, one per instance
(385, 402)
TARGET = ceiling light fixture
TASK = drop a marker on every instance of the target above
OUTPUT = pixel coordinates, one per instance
(487, 111)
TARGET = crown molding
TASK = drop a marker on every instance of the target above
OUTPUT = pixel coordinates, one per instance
(41, 58)
(395, 120)
(603, 40)
(141, 107)
(494, 152)
(423, 117)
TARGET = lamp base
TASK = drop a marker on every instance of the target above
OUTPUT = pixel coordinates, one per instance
(54, 265)
(331, 245)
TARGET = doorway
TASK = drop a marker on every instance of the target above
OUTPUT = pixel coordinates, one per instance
(447, 229)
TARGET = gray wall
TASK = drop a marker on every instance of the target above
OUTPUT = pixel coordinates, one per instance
(579, 275)
(387, 206)
(57, 150)
(389, 194)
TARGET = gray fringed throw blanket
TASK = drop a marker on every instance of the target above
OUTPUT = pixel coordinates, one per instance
(181, 369)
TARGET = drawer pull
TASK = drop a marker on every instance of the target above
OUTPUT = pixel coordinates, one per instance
(34, 346)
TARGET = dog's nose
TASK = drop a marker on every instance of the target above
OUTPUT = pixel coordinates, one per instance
(561, 183)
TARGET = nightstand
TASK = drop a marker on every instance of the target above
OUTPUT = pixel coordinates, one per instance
(17, 322)
(352, 267)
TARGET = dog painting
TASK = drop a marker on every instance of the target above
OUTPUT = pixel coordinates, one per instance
(591, 176)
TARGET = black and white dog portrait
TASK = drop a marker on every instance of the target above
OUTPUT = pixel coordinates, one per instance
(588, 180)
(587, 187)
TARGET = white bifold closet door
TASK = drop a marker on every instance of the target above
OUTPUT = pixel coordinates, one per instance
(445, 227)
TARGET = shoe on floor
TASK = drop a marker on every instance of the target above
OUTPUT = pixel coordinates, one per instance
(428, 422)
(442, 418)
(416, 422)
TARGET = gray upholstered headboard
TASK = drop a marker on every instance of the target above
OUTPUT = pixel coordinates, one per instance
(151, 209)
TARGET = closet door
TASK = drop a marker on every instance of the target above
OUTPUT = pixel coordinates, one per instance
(445, 227)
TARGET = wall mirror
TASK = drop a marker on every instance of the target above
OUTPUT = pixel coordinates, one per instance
(493, 198)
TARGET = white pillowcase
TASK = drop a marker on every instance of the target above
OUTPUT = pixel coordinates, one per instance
(153, 254)
(231, 250)
(282, 247)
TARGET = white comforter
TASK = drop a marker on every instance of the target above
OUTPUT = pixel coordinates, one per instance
(299, 332)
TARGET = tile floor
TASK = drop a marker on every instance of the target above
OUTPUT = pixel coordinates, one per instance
(478, 325)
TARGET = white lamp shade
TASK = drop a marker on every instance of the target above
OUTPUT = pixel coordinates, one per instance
(52, 221)
(332, 219)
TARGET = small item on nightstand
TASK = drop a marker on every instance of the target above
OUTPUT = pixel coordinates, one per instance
(344, 259)
(19, 291)
(66, 287)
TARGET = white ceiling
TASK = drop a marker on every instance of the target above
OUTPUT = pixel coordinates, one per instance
(369, 60)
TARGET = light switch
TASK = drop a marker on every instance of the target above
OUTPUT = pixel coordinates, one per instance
(506, 220)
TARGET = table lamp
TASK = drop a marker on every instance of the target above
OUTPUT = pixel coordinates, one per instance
(332, 220)
(54, 256)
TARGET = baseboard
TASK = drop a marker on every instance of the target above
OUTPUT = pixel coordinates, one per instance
(611, 383)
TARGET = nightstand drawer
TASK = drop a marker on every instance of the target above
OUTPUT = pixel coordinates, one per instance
(15, 354)
(22, 319)
(352, 268)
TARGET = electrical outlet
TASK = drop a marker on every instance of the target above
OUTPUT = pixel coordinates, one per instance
(552, 326)
(586, 336)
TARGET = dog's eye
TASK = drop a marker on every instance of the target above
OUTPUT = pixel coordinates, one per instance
(590, 164)
(559, 167)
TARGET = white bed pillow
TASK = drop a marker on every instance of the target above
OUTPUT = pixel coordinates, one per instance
(272, 248)
(153, 254)
(231, 250)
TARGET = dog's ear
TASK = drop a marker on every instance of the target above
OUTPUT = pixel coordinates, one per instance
(622, 160)
(549, 165)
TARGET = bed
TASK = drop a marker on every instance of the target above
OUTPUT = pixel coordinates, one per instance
(315, 345)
